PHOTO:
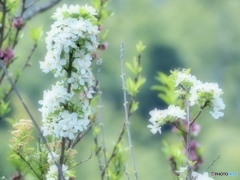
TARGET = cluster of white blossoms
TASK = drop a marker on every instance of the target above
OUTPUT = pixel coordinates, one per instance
(199, 93)
(195, 92)
(70, 44)
(161, 117)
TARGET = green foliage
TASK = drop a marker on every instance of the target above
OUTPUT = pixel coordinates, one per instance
(135, 67)
(166, 88)
(116, 166)
(36, 33)
(4, 108)
(12, 5)
(133, 84)
(101, 7)
(174, 154)
(140, 47)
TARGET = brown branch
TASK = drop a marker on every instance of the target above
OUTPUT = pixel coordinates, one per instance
(39, 9)
(174, 124)
(196, 117)
(81, 135)
(113, 154)
(82, 161)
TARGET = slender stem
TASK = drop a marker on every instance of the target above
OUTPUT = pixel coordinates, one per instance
(100, 107)
(29, 164)
(174, 124)
(61, 162)
(113, 154)
(212, 163)
(23, 68)
(15, 41)
(199, 113)
(189, 168)
(127, 122)
(4, 11)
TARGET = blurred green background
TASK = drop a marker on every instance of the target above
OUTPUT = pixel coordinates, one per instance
(202, 35)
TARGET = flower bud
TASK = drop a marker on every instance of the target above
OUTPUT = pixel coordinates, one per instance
(6, 55)
(103, 46)
(17, 22)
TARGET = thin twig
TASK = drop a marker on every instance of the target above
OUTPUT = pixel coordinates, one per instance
(113, 154)
(29, 165)
(126, 112)
(100, 107)
(39, 9)
(212, 163)
(199, 113)
(174, 124)
(189, 168)
(23, 68)
(80, 136)
(82, 161)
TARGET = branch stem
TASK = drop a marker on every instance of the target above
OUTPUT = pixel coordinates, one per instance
(127, 122)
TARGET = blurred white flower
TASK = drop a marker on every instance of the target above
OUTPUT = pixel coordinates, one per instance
(208, 94)
(160, 117)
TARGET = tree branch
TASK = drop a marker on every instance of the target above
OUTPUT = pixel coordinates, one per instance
(39, 9)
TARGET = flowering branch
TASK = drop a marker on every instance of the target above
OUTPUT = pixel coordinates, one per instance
(190, 92)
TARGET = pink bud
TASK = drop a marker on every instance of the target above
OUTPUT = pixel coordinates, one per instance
(7, 54)
(17, 22)
(103, 46)
(94, 55)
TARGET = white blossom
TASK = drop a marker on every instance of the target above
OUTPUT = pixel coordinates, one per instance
(155, 127)
(184, 79)
(70, 44)
(208, 94)
(160, 117)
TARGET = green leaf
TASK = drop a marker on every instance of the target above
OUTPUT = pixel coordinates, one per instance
(166, 88)
(134, 106)
(140, 47)
(12, 5)
(4, 108)
(36, 33)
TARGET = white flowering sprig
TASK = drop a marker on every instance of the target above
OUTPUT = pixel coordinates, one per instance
(66, 107)
(161, 117)
(190, 92)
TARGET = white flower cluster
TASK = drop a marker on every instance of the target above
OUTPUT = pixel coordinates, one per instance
(160, 117)
(199, 93)
(196, 92)
(70, 44)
